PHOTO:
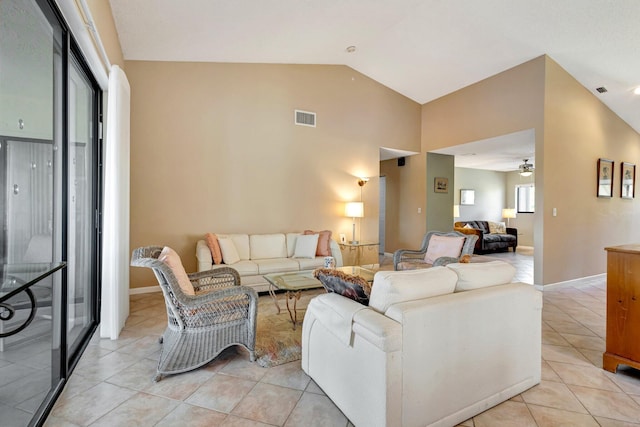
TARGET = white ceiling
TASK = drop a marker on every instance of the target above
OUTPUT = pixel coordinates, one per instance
(423, 49)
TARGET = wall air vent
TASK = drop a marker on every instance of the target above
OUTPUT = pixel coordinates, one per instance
(601, 89)
(305, 118)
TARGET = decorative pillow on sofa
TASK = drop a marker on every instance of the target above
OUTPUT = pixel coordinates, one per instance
(214, 247)
(497, 227)
(468, 226)
(353, 287)
(229, 251)
(324, 237)
(482, 274)
(172, 259)
(306, 246)
(440, 246)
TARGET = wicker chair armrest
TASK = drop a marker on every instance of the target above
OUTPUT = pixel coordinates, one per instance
(404, 255)
(444, 260)
(218, 278)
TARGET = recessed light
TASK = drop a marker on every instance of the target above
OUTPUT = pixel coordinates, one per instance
(350, 49)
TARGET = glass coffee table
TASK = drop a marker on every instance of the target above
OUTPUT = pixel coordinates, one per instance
(293, 283)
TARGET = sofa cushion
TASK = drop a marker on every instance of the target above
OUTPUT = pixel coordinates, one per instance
(352, 287)
(306, 246)
(244, 268)
(172, 259)
(265, 246)
(482, 274)
(275, 265)
(291, 243)
(324, 237)
(440, 246)
(310, 263)
(229, 251)
(392, 287)
(241, 241)
(214, 247)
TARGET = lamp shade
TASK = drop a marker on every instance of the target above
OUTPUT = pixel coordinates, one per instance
(508, 213)
(456, 211)
(354, 209)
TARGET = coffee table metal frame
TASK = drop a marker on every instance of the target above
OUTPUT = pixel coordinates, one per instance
(294, 282)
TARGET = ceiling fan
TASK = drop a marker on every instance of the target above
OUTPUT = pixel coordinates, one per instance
(526, 169)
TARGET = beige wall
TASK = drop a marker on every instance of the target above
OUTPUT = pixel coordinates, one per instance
(579, 129)
(406, 186)
(214, 149)
(103, 18)
(572, 130)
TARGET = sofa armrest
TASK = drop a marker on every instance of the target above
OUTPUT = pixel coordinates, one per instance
(513, 232)
(336, 253)
(203, 255)
(344, 317)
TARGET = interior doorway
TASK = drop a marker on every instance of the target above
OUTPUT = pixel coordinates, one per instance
(382, 214)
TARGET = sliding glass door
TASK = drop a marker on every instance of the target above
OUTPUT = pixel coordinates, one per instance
(49, 208)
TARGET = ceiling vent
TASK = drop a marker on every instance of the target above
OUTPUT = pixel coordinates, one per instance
(305, 118)
(601, 89)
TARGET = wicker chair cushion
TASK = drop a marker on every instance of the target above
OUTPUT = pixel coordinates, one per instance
(323, 248)
(352, 287)
(440, 246)
(172, 259)
(214, 247)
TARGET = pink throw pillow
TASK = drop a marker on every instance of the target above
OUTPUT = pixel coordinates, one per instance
(440, 246)
(214, 247)
(324, 248)
(172, 259)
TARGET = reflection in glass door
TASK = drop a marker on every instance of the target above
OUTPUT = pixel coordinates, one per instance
(81, 208)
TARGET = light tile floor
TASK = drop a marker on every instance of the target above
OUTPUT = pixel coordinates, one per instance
(112, 384)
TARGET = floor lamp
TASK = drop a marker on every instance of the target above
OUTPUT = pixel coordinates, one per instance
(354, 210)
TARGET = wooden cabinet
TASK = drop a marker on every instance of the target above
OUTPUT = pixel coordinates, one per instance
(359, 253)
(623, 307)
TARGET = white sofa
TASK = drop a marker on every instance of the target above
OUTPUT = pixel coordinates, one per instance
(421, 354)
(262, 254)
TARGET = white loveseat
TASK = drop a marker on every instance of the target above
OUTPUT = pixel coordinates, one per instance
(262, 254)
(421, 354)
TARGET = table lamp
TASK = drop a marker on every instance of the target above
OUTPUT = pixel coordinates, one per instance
(354, 210)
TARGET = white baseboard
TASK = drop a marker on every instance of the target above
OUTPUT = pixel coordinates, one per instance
(572, 282)
(145, 290)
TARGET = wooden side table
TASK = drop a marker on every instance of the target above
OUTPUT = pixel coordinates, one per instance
(623, 307)
(364, 253)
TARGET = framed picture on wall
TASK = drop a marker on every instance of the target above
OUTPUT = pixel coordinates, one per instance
(467, 197)
(441, 185)
(627, 180)
(605, 178)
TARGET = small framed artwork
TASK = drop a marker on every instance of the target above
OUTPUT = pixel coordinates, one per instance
(467, 197)
(627, 180)
(605, 178)
(441, 185)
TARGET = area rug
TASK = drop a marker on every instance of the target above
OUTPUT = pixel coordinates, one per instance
(276, 340)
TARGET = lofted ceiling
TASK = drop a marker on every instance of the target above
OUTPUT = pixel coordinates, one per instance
(423, 49)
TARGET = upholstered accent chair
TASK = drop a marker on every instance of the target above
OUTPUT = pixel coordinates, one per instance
(438, 248)
(220, 314)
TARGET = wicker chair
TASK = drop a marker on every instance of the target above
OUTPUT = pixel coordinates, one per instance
(221, 314)
(407, 259)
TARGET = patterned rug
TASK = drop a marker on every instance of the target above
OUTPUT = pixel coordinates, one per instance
(276, 340)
